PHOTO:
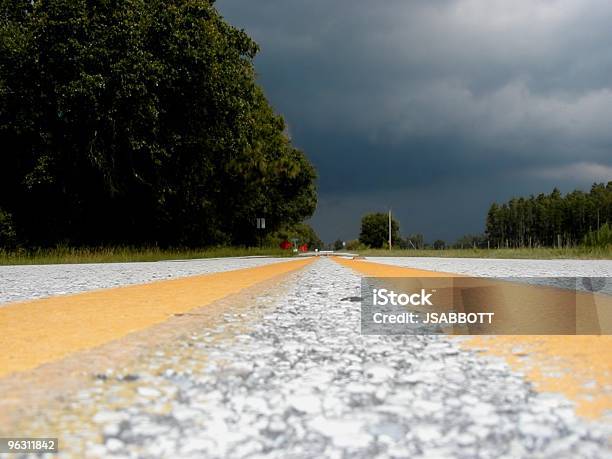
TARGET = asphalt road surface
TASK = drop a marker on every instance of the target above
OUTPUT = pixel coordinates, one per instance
(292, 377)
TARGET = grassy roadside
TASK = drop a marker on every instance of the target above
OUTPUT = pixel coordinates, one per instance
(540, 253)
(66, 255)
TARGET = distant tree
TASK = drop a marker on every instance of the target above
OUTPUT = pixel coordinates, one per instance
(494, 227)
(412, 241)
(338, 245)
(469, 241)
(375, 230)
(439, 244)
(355, 244)
(303, 232)
(307, 235)
(600, 238)
(549, 219)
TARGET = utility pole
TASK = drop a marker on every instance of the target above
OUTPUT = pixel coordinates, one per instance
(390, 229)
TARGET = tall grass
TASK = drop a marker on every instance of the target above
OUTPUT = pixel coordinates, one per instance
(61, 255)
(581, 252)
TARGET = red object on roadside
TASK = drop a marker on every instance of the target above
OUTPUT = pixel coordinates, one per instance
(303, 248)
(285, 245)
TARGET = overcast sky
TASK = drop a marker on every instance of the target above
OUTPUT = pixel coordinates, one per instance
(436, 108)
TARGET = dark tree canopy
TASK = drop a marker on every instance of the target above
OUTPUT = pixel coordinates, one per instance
(549, 219)
(375, 230)
(439, 244)
(139, 122)
(469, 241)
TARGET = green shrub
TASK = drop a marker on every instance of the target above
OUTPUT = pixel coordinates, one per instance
(600, 238)
(356, 245)
(303, 232)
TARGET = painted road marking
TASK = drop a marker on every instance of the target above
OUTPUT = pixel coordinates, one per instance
(36, 332)
(580, 367)
(381, 270)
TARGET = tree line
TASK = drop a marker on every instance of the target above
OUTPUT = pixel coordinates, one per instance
(374, 233)
(545, 220)
(550, 220)
(139, 122)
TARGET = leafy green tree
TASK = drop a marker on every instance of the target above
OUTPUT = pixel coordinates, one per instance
(139, 122)
(375, 230)
(338, 245)
(439, 244)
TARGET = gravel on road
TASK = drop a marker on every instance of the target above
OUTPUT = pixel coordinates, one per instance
(566, 274)
(28, 282)
(488, 267)
(303, 382)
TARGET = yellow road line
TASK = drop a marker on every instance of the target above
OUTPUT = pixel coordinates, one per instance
(41, 331)
(580, 367)
(381, 270)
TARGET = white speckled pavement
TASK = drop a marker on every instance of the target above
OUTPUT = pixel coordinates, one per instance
(505, 268)
(27, 282)
(304, 383)
(556, 273)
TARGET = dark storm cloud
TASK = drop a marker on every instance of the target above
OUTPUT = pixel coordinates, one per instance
(436, 108)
